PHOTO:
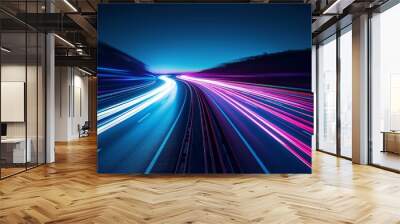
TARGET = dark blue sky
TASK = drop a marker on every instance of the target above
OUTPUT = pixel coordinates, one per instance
(193, 37)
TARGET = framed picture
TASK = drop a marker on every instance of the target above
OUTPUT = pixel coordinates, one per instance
(204, 88)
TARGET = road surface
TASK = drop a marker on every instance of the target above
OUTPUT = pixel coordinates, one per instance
(184, 124)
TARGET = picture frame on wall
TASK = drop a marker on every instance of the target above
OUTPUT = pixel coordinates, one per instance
(204, 88)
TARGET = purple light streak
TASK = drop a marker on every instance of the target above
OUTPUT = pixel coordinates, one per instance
(245, 96)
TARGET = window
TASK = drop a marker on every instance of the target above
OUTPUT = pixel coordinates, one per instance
(385, 89)
(327, 95)
(345, 92)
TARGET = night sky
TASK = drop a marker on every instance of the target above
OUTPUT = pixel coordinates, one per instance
(191, 37)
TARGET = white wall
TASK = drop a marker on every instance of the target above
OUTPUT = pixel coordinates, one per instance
(80, 110)
(33, 127)
(61, 103)
(13, 72)
(9, 73)
(71, 102)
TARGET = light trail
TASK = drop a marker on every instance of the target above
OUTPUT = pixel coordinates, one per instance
(278, 134)
(248, 100)
(282, 96)
(111, 110)
(133, 106)
(234, 126)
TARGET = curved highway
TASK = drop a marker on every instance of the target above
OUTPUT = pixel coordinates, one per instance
(187, 124)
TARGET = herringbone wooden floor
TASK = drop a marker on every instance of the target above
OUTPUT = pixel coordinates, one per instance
(70, 191)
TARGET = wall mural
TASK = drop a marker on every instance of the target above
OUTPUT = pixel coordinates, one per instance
(204, 88)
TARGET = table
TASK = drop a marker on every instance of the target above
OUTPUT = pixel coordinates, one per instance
(16, 147)
(391, 141)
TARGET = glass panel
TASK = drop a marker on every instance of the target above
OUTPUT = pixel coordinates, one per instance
(346, 94)
(32, 95)
(41, 98)
(23, 89)
(385, 84)
(31, 88)
(13, 86)
(327, 96)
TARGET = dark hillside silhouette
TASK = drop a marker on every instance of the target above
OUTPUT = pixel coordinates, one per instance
(285, 69)
(110, 57)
